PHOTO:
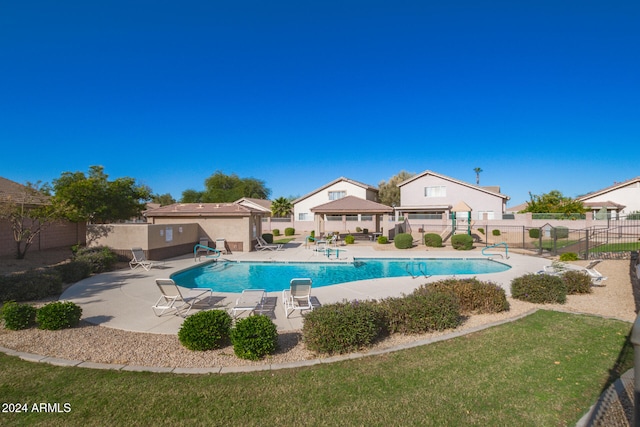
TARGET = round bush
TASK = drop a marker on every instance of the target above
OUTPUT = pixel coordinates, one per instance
(534, 233)
(495, 232)
(205, 330)
(289, 231)
(349, 239)
(403, 241)
(74, 271)
(18, 316)
(421, 312)
(576, 282)
(569, 256)
(100, 258)
(254, 337)
(539, 289)
(462, 242)
(433, 240)
(58, 315)
(268, 237)
(343, 327)
(276, 232)
(383, 240)
(474, 296)
(560, 232)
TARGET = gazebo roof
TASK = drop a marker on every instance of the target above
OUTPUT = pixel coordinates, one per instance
(352, 204)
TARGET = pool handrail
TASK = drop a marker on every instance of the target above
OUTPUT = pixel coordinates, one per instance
(207, 249)
(506, 248)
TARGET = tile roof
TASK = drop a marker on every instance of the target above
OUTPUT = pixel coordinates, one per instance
(10, 190)
(202, 209)
(610, 188)
(335, 181)
(495, 190)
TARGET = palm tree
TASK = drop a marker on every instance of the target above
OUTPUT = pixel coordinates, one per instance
(281, 207)
(477, 171)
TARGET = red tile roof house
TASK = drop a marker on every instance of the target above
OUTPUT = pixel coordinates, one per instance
(345, 217)
(618, 200)
(430, 198)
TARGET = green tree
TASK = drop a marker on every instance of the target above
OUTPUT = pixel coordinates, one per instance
(221, 188)
(388, 192)
(163, 199)
(192, 196)
(95, 199)
(281, 207)
(29, 212)
(554, 202)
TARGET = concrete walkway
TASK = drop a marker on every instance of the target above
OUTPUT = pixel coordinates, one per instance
(122, 299)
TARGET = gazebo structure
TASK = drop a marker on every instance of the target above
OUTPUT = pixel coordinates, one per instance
(337, 215)
(461, 218)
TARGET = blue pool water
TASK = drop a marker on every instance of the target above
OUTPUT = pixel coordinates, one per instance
(232, 276)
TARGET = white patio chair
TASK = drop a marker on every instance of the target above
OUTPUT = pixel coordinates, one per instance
(172, 298)
(298, 296)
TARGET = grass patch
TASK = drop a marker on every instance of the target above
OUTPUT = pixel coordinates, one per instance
(545, 369)
(548, 245)
(617, 247)
(283, 241)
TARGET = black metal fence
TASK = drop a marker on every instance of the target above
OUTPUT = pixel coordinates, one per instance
(616, 239)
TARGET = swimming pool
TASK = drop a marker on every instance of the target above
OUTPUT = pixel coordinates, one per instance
(235, 276)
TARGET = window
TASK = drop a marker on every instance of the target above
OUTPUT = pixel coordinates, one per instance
(351, 217)
(303, 216)
(366, 217)
(436, 191)
(335, 195)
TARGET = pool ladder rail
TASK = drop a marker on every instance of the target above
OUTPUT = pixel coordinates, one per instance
(198, 249)
(506, 248)
(420, 266)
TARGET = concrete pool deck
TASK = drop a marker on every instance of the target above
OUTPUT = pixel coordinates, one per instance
(122, 299)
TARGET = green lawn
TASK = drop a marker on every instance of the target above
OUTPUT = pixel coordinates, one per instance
(543, 370)
(617, 247)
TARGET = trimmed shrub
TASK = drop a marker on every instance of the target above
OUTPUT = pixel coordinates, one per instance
(73, 271)
(421, 312)
(18, 316)
(481, 230)
(539, 288)
(268, 237)
(358, 230)
(534, 233)
(100, 258)
(559, 232)
(495, 232)
(205, 330)
(289, 231)
(383, 240)
(569, 256)
(403, 241)
(433, 240)
(349, 239)
(462, 242)
(473, 295)
(58, 315)
(254, 337)
(343, 327)
(576, 282)
(276, 231)
(30, 285)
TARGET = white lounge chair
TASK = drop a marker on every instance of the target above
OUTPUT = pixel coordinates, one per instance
(140, 260)
(298, 296)
(559, 267)
(249, 300)
(263, 245)
(172, 298)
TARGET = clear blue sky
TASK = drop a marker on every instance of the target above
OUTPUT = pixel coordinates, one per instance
(541, 95)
